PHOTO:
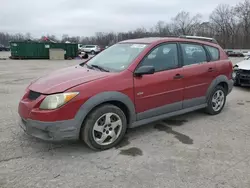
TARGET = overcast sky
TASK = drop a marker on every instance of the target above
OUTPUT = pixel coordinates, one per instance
(85, 17)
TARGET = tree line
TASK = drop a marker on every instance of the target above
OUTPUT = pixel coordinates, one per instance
(229, 25)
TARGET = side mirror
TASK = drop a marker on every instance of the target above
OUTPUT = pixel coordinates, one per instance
(144, 70)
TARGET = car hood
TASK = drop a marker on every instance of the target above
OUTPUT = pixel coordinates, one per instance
(63, 79)
(245, 65)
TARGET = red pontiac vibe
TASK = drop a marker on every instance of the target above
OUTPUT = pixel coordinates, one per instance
(131, 83)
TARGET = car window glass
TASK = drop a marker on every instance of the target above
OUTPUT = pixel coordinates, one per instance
(118, 57)
(164, 57)
(193, 54)
(214, 52)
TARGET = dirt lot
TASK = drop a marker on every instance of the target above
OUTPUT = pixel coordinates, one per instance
(191, 151)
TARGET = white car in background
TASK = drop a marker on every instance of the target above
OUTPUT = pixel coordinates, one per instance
(92, 49)
(241, 74)
(246, 55)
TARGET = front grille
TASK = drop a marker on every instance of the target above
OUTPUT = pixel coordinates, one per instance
(33, 95)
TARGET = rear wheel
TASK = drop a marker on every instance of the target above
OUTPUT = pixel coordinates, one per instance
(216, 101)
(104, 127)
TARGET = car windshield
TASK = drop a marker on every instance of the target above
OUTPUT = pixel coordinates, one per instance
(117, 57)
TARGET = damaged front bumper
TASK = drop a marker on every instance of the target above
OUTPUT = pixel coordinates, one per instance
(242, 77)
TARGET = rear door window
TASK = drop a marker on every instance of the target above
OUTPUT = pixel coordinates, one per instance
(214, 52)
(193, 54)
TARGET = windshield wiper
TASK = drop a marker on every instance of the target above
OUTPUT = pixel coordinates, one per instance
(88, 66)
(100, 68)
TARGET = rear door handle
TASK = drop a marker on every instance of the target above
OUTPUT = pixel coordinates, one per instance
(211, 69)
(178, 76)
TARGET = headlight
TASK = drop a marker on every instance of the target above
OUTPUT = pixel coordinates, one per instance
(236, 68)
(234, 75)
(55, 101)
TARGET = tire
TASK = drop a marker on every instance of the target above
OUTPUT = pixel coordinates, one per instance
(210, 109)
(92, 52)
(91, 136)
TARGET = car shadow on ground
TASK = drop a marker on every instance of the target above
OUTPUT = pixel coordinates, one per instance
(80, 147)
(243, 88)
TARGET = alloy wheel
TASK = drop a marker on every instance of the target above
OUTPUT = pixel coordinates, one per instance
(218, 100)
(107, 129)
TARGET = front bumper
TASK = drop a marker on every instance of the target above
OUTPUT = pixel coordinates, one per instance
(243, 78)
(51, 131)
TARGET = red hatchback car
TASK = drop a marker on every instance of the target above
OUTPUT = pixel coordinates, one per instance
(131, 83)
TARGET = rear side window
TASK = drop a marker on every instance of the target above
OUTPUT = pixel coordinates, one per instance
(193, 54)
(214, 52)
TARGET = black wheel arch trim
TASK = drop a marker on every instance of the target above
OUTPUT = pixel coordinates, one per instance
(217, 81)
(103, 97)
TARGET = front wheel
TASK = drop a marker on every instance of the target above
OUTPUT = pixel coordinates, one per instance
(217, 101)
(92, 52)
(104, 127)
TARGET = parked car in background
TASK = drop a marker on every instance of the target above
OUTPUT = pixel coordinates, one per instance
(4, 48)
(232, 53)
(246, 54)
(246, 57)
(92, 49)
(241, 74)
(131, 83)
(102, 47)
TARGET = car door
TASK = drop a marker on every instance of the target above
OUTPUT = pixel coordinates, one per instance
(198, 73)
(84, 48)
(87, 48)
(161, 92)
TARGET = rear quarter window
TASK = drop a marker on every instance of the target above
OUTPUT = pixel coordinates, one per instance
(214, 53)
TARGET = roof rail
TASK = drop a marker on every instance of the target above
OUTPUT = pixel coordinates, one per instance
(208, 39)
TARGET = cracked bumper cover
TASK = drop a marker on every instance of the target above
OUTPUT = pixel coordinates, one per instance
(51, 131)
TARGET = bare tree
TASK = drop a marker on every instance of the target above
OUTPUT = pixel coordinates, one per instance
(242, 11)
(205, 29)
(225, 24)
(185, 24)
(229, 25)
(27, 36)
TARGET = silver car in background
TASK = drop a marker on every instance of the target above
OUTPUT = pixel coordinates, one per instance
(92, 49)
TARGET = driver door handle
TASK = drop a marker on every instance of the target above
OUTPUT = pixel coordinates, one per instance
(178, 76)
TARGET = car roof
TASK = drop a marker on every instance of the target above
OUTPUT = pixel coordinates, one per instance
(151, 40)
(148, 40)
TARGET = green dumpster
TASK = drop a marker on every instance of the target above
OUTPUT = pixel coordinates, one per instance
(40, 50)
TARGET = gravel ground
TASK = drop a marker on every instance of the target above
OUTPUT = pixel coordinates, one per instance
(191, 151)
